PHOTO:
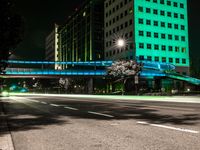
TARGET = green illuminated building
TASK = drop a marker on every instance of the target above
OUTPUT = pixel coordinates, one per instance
(81, 37)
(155, 30)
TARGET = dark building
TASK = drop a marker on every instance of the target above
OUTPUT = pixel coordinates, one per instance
(81, 38)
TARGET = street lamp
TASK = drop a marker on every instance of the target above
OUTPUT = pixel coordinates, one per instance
(121, 43)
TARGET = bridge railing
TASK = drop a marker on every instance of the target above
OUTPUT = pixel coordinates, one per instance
(25, 71)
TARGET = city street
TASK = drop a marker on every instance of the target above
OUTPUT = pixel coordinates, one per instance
(66, 122)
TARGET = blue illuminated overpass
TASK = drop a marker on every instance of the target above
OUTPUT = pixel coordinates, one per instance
(150, 69)
(81, 63)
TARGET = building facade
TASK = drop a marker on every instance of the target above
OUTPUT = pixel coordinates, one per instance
(51, 46)
(81, 37)
(155, 30)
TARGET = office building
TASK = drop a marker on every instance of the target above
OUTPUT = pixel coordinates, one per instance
(155, 30)
(80, 38)
(51, 46)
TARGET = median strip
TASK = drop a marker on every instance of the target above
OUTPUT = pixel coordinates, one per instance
(168, 127)
(105, 115)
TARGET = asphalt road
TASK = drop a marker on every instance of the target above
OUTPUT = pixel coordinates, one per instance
(67, 123)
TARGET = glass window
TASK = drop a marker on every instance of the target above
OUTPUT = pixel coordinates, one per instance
(155, 35)
(177, 60)
(162, 2)
(149, 58)
(141, 45)
(182, 38)
(169, 3)
(163, 47)
(176, 37)
(162, 24)
(155, 23)
(170, 48)
(156, 47)
(141, 57)
(162, 13)
(141, 33)
(169, 25)
(140, 9)
(163, 36)
(141, 21)
(171, 60)
(156, 58)
(148, 34)
(175, 4)
(182, 16)
(148, 10)
(175, 15)
(181, 5)
(163, 59)
(170, 36)
(176, 49)
(148, 46)
(182, 27)
(148, 22)
(175, 26)
(155, 11)
(169, 14)
(184, 61)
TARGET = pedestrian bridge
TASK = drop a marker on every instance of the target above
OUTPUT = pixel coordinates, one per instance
(93, 68)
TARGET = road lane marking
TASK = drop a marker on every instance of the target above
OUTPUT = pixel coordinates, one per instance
(71, 108)
(105, 115)
(44, 103)
(55, 105)
(168, 127)
(168, 107)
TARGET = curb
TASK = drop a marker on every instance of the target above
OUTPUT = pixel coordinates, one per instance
(6, 142)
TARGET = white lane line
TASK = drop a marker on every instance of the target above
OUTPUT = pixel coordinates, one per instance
(55, 105)
(71, 108)
(33, 100)
(24, 99)
(44, 103)
(105, 115)
(168, 127)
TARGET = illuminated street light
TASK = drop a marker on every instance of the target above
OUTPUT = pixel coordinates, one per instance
(121, 43)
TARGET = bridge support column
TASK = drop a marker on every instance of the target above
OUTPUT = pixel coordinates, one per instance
(157, 83)
(90, 87)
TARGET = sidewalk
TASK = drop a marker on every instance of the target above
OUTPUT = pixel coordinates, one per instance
(5, 136)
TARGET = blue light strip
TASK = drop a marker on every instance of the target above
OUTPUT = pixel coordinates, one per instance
(88, 63)
(184, 78)
(58, 72)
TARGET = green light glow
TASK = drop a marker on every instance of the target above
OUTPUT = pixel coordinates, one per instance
(5, 94)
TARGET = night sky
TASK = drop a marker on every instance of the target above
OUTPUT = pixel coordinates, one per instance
(40, 16)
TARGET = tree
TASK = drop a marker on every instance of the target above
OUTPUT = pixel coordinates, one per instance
(11, 30)
(124, 70)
